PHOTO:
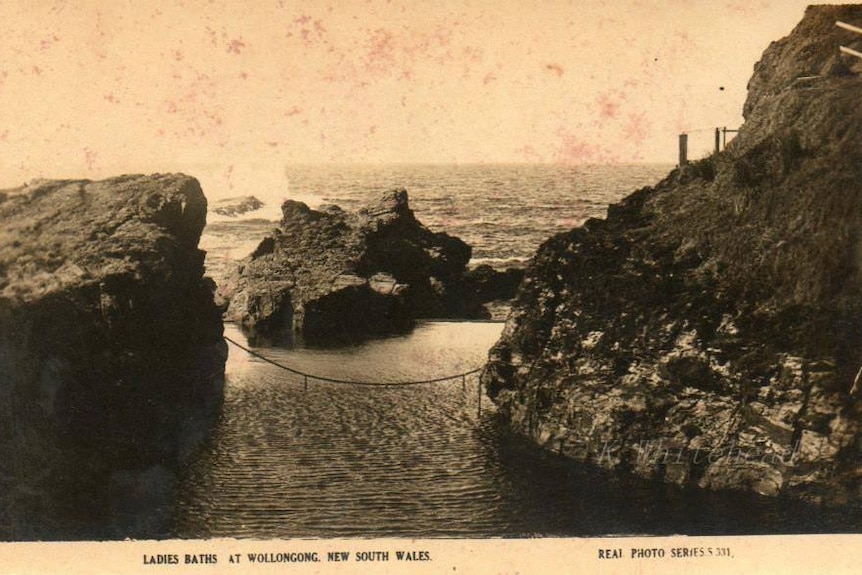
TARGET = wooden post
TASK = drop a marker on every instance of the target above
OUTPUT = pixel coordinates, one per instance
(305, 382)
(479, 389)
(851, 51)
(717, 141)
(464, 382)
(683, 149)
(845, 49)
(847, 26)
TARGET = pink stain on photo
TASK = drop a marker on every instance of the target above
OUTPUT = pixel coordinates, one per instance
(48, 43)
(236, 46)
(637, 127)
(556, 69)
(609, 104)
(90, 157)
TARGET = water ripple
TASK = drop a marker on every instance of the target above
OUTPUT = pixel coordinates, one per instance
(349, 461)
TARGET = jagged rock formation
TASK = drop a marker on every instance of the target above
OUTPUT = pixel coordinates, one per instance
(235, 207)
(708, 332)
(329, 273)
(111, 352)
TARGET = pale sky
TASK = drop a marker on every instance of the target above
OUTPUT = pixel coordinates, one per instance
(240, 89)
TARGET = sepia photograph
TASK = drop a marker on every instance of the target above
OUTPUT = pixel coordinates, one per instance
(416, 286)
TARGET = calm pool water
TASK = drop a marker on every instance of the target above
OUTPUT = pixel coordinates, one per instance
(418, 461)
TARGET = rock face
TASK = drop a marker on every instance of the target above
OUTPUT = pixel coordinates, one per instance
(707, 333)
(330, 272)
(111, 352)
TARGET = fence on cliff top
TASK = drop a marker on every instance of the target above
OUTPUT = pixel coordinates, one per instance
(720, 141)
(721, 133)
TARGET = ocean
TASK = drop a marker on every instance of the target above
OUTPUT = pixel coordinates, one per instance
(291, 458)
(504, 211)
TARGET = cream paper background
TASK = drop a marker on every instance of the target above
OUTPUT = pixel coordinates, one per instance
(787, 555)
(233, 91)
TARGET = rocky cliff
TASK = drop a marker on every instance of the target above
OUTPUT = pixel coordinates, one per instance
(707, 332)
(111, 355)
(329, 272)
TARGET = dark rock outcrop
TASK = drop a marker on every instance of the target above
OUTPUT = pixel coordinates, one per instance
(490, 284)
(707, 333)
(494, 288)
(235, 207)
(328, 272)
(111, 353)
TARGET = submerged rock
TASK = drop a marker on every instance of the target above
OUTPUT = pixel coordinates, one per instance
(707, 332)
(111, 350)
(329, 272)
(235, 207)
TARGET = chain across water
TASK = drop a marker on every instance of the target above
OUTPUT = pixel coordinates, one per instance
(461, 376)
